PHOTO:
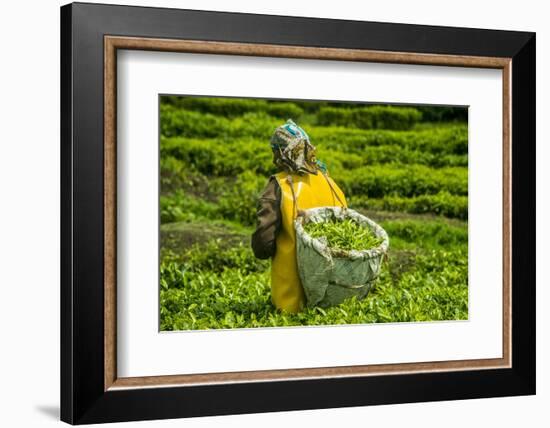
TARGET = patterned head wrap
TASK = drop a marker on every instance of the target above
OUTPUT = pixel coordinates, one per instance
(293, 152)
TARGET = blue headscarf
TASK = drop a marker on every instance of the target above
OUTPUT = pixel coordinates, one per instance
(293, 152)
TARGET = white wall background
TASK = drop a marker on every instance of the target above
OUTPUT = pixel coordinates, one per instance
(29, 214)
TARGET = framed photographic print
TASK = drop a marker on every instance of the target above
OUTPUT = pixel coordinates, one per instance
(265, 213)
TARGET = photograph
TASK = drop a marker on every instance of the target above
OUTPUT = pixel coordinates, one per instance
(281, 212)
(273, 212)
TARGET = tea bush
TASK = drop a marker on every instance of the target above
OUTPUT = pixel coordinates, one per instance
(343, 235)
(442, 203)
(235, 155)
(443, 113)
(406, 168)
(379, 181)
(443, 141)
(232, 107)
(191, 124)
(373, 117)
(238, 201)
(197, 294)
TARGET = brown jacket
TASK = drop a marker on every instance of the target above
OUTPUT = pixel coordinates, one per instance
(268, 220)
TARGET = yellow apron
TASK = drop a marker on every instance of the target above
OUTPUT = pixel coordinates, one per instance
(311, 191)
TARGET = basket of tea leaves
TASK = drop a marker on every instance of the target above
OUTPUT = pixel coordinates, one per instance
(339, 254)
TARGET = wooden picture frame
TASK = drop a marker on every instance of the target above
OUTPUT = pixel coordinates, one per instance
(91, 390)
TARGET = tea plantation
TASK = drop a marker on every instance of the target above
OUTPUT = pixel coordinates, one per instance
(404, 167)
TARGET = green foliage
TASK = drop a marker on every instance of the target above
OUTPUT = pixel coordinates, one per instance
(218, 157)
(181, 207)
(442, 203)
(379, 181)
(238, 201)
(192, 124)
(443, 113)
(215, 257)
(390, 154)
(407, 233)
(372, 117)
(197, 294)
(233, 107)
(343, 235)
(448, 140)
(284, 110)
(407, 174)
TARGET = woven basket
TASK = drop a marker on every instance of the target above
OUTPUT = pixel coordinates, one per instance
(328, 278)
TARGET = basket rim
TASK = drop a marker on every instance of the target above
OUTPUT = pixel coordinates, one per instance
(378, 251)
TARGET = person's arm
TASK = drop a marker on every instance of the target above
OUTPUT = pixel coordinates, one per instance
(268, 220)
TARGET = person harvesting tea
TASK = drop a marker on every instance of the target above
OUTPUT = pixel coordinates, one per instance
(301, 183)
